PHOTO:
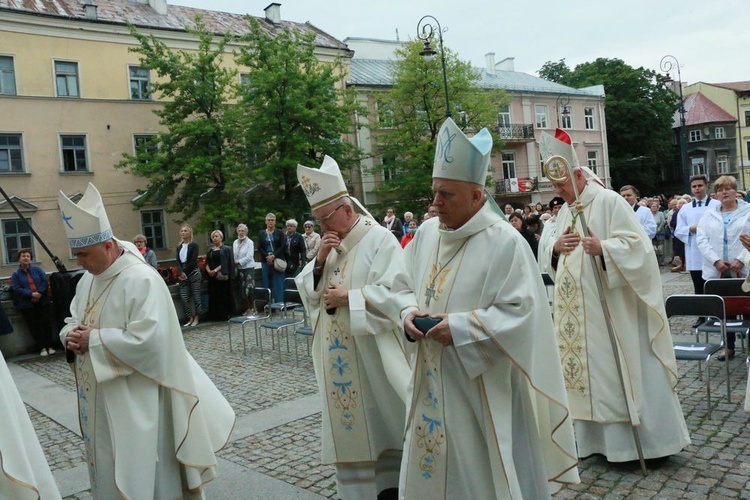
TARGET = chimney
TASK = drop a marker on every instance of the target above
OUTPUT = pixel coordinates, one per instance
(159, 6)
(89, 10)
(273, 13)
(489, 58)
(506, 64)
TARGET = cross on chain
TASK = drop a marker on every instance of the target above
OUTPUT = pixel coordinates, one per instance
(429, 293)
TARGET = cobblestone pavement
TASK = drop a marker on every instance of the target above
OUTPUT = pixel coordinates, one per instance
(715, 465)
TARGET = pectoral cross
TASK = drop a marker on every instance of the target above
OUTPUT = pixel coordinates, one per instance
(429, 293)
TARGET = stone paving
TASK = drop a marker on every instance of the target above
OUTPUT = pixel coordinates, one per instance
(715, 465)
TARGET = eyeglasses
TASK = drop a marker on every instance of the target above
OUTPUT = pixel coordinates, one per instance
(325, 219)
(140, 241)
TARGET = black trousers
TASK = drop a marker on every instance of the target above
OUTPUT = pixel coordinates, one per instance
(38, 320)
(698, 281)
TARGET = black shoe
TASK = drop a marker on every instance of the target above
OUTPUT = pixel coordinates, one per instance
(699, 322)
(727, 353)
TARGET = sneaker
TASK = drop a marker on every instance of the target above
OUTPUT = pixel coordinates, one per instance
(189, 323)
(44, 353)
(727, 353)
(194, 323)
(50, 351)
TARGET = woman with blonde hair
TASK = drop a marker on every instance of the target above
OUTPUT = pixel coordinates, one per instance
(189, 276)
(219, 270)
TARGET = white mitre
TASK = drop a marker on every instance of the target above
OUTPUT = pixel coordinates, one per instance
(86, 223)
(462, 158)
(322, 185)
(559, 145)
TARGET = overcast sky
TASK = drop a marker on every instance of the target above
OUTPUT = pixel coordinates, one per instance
(711, 39)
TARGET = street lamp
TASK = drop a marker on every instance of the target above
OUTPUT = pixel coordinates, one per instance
(667, 63)
(562, 103)
(425, 32)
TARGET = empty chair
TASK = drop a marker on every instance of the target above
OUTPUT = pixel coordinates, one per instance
(261, 303)
(709, 306)
(736, 303)
(282, 325)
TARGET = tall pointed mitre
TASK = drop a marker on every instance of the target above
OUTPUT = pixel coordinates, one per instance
(322, 185)
(85, 223)
(559, 145)
(462, 158)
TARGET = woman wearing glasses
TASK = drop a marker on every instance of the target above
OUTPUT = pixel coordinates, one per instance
(271, 246)
(148, 254)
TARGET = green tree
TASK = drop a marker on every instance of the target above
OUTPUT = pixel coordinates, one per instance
(640, 111)
(412, 112)
(191, 166)
(294, 111)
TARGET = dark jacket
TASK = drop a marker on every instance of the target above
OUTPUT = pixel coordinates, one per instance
(19, 284)
(192, 258)
(296, 252)
(279, 244)
(225, 258)
(397, 228)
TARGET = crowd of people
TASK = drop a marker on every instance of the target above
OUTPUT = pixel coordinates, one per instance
(442, 369)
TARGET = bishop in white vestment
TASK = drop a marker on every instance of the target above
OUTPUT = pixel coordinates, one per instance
(151, 419)
(487, 415)
(633, 292)
(360, 364)
(24, 473)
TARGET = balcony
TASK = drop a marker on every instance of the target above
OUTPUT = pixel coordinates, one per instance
(516, 185)
(516, 132)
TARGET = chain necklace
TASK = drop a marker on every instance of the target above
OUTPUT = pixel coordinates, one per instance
(429, 292)
(88, 315)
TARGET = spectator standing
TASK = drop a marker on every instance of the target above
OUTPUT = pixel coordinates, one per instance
(520, 225)
(508, 209)
(408, 216)
(718, 237)
(643, 214)
(30, 287)
(393, 224)
(661, 227)
(687, 227)
(410, 232)
(219, 269)
(295, 249)
(678, 247)
(243, 251)
(312, 241)
(189, 276)
(272, 246)
(149, 255)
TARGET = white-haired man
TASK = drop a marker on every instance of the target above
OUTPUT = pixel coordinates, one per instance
(488, 415)
(150, 418)
(360, 365)
(624, 258)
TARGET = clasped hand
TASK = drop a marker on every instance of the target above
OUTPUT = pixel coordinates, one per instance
(335, 296)
(77, 339)
(569, 241)
(440, 333)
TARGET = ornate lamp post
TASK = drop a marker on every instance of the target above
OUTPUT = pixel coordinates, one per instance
(425, 32)
(562, 103)
(667, 63)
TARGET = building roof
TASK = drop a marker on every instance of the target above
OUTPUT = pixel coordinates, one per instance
(699, 109)
(379, 72)
(177, 18)
(736, 86)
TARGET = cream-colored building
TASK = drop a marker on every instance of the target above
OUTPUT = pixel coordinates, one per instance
(536, 105)
(734, 98)
(73, 99)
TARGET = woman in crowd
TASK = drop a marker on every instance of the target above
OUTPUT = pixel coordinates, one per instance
(312, 241)
(295, 248)
(189, 276)
(678, 247)
(243, 251)
(410, 232)
(526, 212)
(661, 227)
(271, 246)
(30, 288)
(719, 242)
(219, 270)
(393, 224)
(140, 243)
(539, 209)
(517, 221)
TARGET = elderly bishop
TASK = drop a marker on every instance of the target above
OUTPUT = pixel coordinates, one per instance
(488, 415)
(151, 419)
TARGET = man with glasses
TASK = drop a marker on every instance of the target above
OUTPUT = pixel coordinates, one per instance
(360, 365)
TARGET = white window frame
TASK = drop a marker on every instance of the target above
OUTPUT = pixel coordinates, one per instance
(592, 160)
(149, 227)
(23, 239)
(589, 118)
(566, 119)
(7, 156)
(69, 78)
(695, 135)
(698, 166)
(541, 117)
(76, 155)
(719, 133)
(504, 117)
(722, 164)
(8, 77)
(143, 84)
(508, 161)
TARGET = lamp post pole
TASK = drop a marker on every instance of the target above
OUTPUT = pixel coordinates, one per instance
(425, 32)
(667, 63)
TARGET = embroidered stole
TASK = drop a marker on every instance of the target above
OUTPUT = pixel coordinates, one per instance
(427, 455)
(338, 354)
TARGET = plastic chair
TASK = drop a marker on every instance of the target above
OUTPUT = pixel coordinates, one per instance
(282, 325)
(306, 331)
(709, 306)
(288, 304)
(736, 303)
(261, 302)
